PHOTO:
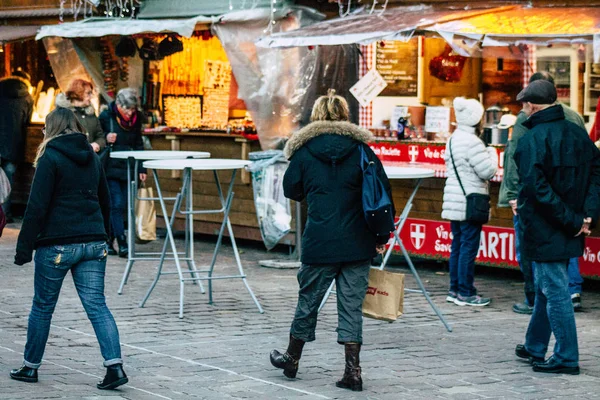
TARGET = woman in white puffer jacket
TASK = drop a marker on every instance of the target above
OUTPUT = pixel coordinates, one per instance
(476, 165)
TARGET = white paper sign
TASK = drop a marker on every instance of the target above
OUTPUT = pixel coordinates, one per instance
(437, 119)
(368, 87)
(399, 111)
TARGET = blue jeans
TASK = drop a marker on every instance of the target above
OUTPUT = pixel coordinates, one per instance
(553, 313)
(9, 168)
(87, 263)
(525, 265)
(118, 203)
(575, 279)
(465, 245)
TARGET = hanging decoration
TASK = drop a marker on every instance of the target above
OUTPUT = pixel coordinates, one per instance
(383, 7)
(272, 21)
(109, 8)
(110, 68)
(448, 66)
(341, 6)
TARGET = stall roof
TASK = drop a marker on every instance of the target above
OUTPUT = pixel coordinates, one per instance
(97, 27)
(521, 25)
(494, 26)
(10, 33)
(394, 24)
(191, 8)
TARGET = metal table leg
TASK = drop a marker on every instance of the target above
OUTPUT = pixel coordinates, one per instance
(130, 223)
(171, 241)
(226, 203)
(189, 232)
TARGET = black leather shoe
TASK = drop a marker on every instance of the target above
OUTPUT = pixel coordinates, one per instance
(115, 377)
(522, 352)
(123, 247)
(551, 366)
(24, 374)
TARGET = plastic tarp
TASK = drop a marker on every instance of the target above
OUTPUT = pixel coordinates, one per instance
(394, 24)
(98, 27)
(10, 33)
(275, 83)
(192, 8)
(272, 207)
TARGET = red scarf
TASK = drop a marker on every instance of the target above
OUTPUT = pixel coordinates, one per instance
(122, 120)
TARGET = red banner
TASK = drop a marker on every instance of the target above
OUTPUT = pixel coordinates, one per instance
(418, 152)
(433, 240)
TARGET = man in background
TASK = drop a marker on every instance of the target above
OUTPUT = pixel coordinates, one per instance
(508, 198)
(16, 107)
(558, 203)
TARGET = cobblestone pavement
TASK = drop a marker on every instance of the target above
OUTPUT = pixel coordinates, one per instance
(221, 351)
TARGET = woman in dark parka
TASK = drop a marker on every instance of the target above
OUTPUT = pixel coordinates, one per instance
(325, 170)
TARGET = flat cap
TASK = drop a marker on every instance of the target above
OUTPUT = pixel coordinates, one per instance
(538, 92)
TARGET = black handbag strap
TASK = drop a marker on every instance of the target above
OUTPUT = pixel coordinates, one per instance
(455, 170)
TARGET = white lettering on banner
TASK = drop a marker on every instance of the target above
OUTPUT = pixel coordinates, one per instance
(434, 154)
(390, 151)
(589, 256)
(443, 233)
(488, 243)
(442, 248)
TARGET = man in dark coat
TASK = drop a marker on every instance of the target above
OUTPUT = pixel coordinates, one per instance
(16, 107)
(558, 202)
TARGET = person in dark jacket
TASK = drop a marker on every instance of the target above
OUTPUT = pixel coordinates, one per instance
(122, 123)
(78, 98)
(16, 107)
(66, 222)
(508, 196)
(558, 201)
(337, 244)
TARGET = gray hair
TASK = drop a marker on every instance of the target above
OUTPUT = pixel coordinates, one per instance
(127, 98)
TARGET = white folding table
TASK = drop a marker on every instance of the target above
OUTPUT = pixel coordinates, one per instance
(188, 166)
(135, 157)
(419, 174)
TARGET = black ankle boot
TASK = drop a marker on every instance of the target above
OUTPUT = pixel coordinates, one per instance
(115, 377)
(24, 374)
(123, 248)
(111, 247)
(351, 379)
(289, 360)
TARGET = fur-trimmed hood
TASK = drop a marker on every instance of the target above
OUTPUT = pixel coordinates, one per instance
(62, 101)
(318, 128)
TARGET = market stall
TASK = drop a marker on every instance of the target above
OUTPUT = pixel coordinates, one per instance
(197, 85)
(416, 60)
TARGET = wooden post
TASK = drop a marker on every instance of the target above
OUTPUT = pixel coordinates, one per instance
(7, 59)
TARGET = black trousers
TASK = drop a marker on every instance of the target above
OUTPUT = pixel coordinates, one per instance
(352, 279)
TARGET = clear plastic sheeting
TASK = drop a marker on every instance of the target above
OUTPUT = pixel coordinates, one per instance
(272, 207)
(394, 24)
(98, 27)
(270, 80)
(65, 62)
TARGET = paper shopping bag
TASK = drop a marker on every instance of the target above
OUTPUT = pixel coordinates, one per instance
(145, 216)
(385, 295)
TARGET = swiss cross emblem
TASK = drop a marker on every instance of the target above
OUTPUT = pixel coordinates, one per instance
(413, 153)
(417, 235)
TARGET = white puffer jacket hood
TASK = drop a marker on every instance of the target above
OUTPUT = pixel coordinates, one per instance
(476, 165)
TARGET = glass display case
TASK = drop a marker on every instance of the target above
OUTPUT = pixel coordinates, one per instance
(563, 65)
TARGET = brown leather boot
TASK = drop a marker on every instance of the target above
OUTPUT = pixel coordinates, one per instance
(289, 360)
(351, 379)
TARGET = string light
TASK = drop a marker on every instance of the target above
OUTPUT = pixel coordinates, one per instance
(230, 5)
(341, 6)
(272, 21)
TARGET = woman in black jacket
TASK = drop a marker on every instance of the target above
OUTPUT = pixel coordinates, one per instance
(336, 244)
(122, 123)
(66, 222)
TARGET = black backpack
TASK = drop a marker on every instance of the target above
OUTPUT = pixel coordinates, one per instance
(377, 205)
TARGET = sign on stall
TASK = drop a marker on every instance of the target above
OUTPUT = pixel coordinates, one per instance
(437, 119)
(368, 87)
(433, 240)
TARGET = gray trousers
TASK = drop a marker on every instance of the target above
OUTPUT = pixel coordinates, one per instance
(352, 279)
